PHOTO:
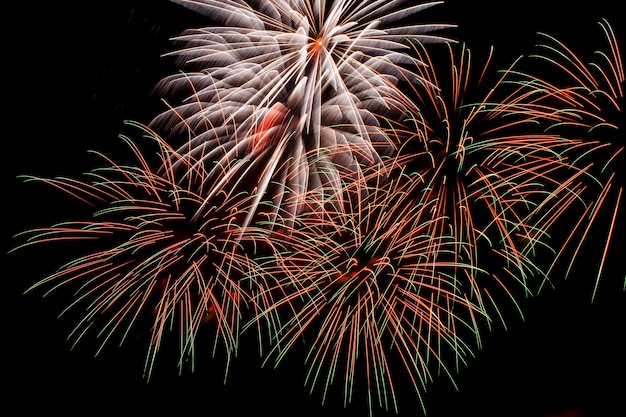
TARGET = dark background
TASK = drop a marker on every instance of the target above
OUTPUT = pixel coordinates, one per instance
(75, 70)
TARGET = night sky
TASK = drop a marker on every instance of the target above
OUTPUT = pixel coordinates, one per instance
(75, 72)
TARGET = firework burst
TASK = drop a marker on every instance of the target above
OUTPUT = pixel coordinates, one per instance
(486, 166)
(286, 97)
(368, 295)
(152, 271)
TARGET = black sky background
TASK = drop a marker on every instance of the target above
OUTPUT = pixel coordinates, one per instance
(75, 71)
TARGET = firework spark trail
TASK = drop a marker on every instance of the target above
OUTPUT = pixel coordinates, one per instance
(150, 272)
(371, 293)
(589, 97)
(486, 166)
(282, 80)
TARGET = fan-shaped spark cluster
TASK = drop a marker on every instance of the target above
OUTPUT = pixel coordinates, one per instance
(583, 101)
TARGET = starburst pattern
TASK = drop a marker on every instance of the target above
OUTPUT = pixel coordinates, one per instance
(281, 81)
(369, 295)
(486, 166)
(156, 272)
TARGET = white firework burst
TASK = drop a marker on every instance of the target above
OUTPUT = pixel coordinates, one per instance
(283, 100)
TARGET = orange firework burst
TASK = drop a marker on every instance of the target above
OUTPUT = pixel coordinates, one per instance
(487, 168)
(152, 270)
(367, 294)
